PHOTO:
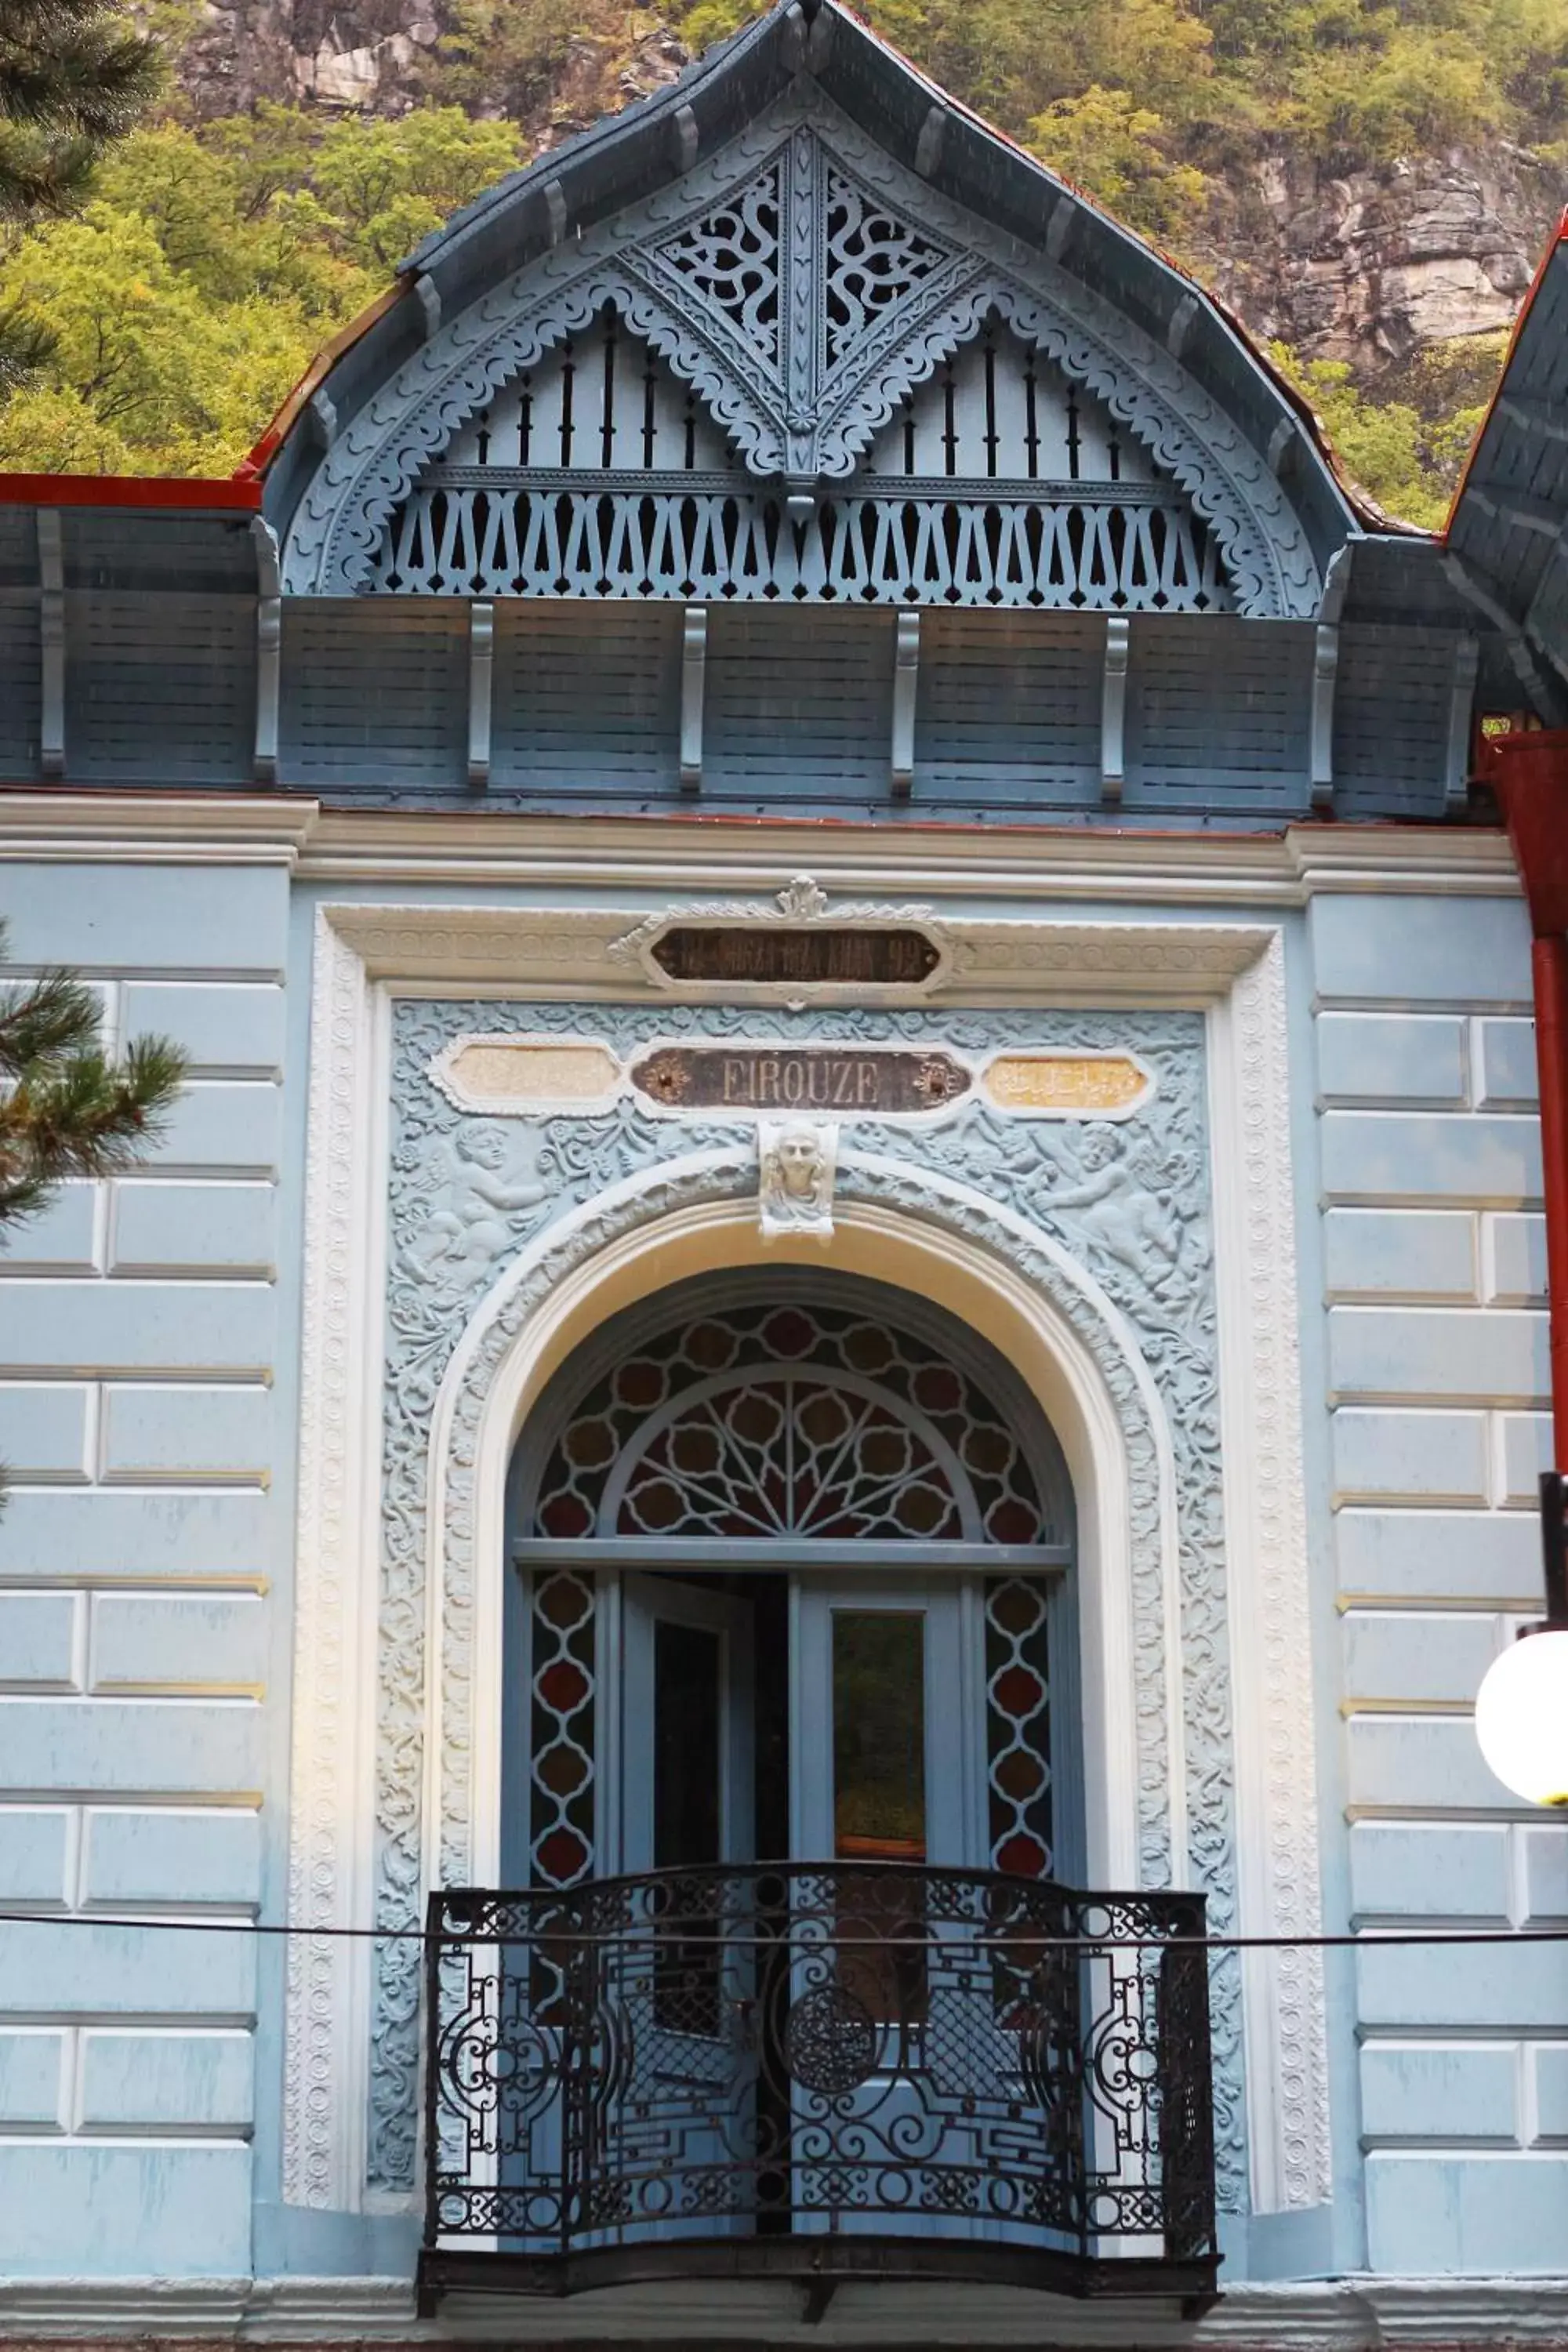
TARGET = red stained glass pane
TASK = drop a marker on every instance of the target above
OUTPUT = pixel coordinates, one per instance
(1017, 1606)
(1021, 1856)
(561, 1857)
(1011, 1522)
(938, 1389)
(788, 1334)
(1017, 1692)
(564, 1515)
(640, 1384)
(563, 1685)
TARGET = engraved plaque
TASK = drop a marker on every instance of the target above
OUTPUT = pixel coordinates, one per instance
(746, 954)
(821, 1081)
(517, 1074)
(1084, 1083)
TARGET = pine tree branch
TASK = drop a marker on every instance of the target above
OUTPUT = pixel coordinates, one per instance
(66, 1108)
(84, 1117)
(55, 1017)
(26, 346)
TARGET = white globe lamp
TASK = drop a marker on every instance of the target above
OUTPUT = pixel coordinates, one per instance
(1521, 1708)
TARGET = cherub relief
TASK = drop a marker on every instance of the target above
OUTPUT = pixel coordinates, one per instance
(474, 1190)
(1130, 1222)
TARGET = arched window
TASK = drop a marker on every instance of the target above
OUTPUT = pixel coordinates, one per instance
(839, 1439)
(806, 1420)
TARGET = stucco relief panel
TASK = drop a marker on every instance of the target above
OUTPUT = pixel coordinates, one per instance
(469, 1194)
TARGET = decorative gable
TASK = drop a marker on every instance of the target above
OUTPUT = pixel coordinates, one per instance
(796, 373)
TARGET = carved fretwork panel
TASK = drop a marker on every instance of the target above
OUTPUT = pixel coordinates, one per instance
(874, 261)
(601, 401)
(731, 258)
(748, 386)
(707, 539)
(997, 410)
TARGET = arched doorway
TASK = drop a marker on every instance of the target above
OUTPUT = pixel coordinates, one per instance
(791, 1579)
(786, 1976)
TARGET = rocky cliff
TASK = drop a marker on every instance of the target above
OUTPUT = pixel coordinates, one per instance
(1373, 267)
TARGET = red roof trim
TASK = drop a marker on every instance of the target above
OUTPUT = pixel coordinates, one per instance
(321, 367)
(235, 495)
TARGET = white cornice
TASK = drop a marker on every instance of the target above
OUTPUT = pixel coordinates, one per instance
(578, 951)
(677, 853)
(131, 828)
(1359, 2313)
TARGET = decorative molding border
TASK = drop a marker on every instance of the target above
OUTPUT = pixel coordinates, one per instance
(801, 904)
(323, 2148)
(1266, 1524)
(407, 947)
(639, 855)
(1357, 2313)
(621, 1080)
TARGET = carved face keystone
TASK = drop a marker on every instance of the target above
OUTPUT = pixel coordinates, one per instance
(800, 1164)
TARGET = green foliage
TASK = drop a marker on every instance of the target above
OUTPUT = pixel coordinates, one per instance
(157, 331)
(183, 302)
(74, 76)
(1353, 83)
(66, 1107)
(1406, 456)
(169, 376)
(1114, 150)
(504, 53)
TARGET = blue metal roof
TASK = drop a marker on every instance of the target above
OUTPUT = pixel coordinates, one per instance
(1508, 537)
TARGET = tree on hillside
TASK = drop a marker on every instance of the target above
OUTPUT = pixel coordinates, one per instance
(74, 77)
(66, 1107)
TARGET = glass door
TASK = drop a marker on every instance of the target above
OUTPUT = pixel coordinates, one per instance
(686, 1725)
(881, 1727)
(678, 2100)
(884, 1789)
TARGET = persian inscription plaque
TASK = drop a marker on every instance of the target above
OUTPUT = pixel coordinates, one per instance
(832, 1081)
(521, 1074)
(1092, 1085)
(745, 954)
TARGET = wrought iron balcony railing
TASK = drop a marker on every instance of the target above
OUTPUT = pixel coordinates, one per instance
(490, 531)
(825, 2069)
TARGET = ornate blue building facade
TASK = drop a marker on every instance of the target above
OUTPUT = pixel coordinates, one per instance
(842, 1334)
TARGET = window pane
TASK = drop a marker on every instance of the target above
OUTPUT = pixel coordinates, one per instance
(878, 1734)
(687, 1764)
(686, 1761)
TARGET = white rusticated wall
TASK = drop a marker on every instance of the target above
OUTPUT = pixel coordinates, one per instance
(137, 1353)
(146, 1549)
(1435, 1261)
